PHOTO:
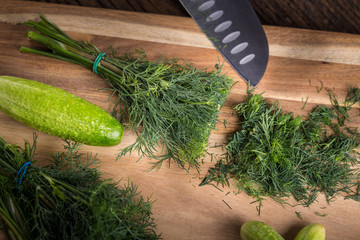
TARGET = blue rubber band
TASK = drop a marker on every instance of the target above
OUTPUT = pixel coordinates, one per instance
(97, 61)
(22, 171)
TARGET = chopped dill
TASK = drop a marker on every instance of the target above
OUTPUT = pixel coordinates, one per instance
(68, 199)
(307, 98)
(227, 204)
(259, 206)
(298, 215)
(217, 188)
(276, 155)
(318, 89)
(320, 214)
(225, 123)
(216, 145)
(169, 104)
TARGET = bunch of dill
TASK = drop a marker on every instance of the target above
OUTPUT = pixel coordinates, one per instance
(168, 103)
(277, 155)
(68, 200)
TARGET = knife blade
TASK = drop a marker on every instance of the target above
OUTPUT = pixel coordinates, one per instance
(236, 32)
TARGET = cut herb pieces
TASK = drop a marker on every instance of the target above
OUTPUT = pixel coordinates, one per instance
(68, 200)
(168, 103)
(277, 155)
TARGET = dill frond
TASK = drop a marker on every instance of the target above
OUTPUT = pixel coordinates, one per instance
(68, 199)
(168, 103)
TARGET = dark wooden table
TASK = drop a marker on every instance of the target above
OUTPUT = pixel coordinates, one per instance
(329, 15)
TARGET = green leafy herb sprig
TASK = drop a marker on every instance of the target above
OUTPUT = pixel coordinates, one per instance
(277, 155)
(68, 199)
(169, 103)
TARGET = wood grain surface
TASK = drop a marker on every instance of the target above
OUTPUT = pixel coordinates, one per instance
(184, 210)
(330, 15)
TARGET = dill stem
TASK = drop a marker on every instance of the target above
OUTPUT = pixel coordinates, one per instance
(92, 58)
(15, 211)
(9, 168)
(44, 197)
(86, 60)
(66, 186)
(11, 224)
(110, 74)
(67, 55)
(46, 54)
(207, 103)
(47, 28)
(58, 47)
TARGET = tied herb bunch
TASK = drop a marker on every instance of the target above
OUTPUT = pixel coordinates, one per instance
(68, 199)
(277, 155)
(169, 104)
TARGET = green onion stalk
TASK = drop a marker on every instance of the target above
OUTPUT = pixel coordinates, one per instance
(168, 103)
(67, 199)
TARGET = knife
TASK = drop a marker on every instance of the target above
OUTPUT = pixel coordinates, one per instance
(236, 32)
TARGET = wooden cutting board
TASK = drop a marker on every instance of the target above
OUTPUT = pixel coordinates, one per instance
(300, 60)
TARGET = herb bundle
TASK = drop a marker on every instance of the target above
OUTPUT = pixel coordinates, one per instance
(67, 200)
(168, 103)
(277, 155)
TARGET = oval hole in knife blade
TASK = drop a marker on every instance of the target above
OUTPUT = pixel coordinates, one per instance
(206, 5)
(247, 59)
(238, 48)
(215, 15)
(223, 26)
(231, 37)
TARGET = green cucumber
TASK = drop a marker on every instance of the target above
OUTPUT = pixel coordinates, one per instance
(57, 112)
(256, 230)
(314, 231)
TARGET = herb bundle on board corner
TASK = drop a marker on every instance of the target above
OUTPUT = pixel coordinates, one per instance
(68, 199)
(169, 104)
(276, 155)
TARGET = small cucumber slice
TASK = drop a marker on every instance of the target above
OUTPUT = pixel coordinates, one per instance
(57, 112)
